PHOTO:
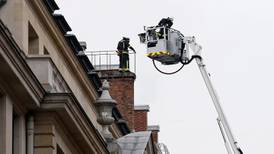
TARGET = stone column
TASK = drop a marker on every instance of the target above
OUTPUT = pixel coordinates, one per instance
(6, 114)
(19, 139)
(30, 133)
(44, 137)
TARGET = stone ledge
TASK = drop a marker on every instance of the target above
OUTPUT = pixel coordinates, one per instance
(108, 74)
(153, 128)
(141, 108)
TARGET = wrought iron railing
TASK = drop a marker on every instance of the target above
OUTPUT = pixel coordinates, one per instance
(109, 60)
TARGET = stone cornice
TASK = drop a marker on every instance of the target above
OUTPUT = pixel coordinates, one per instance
(46, 65)
(153, 128)
(141, 108)
(66, 105)
(113, 74)
(16, 60)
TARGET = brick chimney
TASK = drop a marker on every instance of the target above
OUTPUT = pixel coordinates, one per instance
(121, 90)
(140, 117)
(155, 129)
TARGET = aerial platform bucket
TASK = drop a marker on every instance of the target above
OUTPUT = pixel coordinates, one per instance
(163, 44)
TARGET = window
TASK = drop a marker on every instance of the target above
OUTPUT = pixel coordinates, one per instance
(33, 41)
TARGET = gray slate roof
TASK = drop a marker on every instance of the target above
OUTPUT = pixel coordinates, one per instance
(134, 143)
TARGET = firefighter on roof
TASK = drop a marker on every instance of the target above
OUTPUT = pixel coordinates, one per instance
(123, 53)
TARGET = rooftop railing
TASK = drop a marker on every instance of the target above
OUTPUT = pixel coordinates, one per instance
(109, 60)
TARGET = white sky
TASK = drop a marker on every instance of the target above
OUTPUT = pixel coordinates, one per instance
(237, 40)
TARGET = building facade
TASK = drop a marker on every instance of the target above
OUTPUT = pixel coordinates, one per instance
(48, 89)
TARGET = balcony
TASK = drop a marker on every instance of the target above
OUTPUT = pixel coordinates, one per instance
(47, 74)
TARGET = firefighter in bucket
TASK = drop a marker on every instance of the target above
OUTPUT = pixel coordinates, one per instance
(123, 53)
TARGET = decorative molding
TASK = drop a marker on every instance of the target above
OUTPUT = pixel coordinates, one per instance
(48, 74)
(67, 107)
(65, 49)
(15, 58)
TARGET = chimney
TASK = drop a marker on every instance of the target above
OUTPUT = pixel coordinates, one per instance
(155, 129)
(140, 117)
(122, 90)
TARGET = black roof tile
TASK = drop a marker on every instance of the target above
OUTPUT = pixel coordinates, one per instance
(51, 5)
(74, 43)
(61, 23)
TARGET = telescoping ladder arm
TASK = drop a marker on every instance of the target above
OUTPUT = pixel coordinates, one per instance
(230, 143)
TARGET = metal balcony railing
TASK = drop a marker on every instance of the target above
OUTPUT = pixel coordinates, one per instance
(109, 60)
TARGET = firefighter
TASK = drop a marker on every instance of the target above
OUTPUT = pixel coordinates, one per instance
(167, 23)
(123, 53)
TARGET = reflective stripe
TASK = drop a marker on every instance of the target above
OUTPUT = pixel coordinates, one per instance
(158, 53)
